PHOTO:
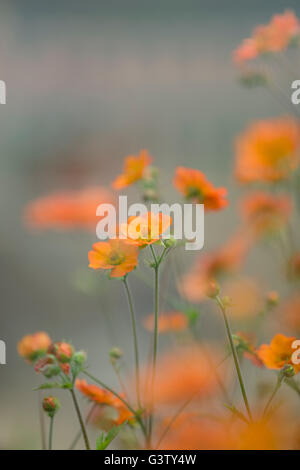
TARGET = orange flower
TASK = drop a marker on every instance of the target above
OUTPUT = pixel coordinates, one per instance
(67, 209)
(278, 353)
(62, 351)
(247, 299)
(134, 170)
(171, 321)
(193, 185)
(116, 255)
(33, 346)
(268, 151)
(145, 229)
(273, 37)
(266, 213)
(183, 373)
(291, 312)
(294, 267)
(211, 266)
(104, 397)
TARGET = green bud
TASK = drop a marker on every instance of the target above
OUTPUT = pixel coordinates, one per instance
(79, 358)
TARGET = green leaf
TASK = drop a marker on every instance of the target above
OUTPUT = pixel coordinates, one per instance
(105, 439)
(48, 385)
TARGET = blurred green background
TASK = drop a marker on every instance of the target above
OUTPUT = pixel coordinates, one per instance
(87, 84)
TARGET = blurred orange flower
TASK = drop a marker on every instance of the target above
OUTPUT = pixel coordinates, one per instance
(275, 36)
(134, 169)
(266, 213)
(32, 346)
(145, 229)
(268, 150)
(291, 312)
(171, 321)
(278, 353)
(67, 209)
(246, 297)
(116, 255)
(211, 266)
(104, 397)
(294, 267)
(193, 185)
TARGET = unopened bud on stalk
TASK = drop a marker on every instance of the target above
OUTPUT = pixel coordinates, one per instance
(63, 352)
(79, 357)
(115, 354)
(51, 405)
(213, 289)
(272, 299)
(288, 371)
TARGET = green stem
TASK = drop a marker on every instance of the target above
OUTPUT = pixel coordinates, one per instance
(77, 437)
(235, 356)
(83, 430)
(277, 387)
(135, 340)
(136, 415)
(51, 433)
(155, 341)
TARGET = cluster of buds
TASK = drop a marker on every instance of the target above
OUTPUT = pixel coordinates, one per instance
(52, 359)
(51, 405)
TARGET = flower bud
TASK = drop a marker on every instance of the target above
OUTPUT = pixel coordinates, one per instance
(288, 371)
(51, 405)
(115, 354)
(63, 352)
(212, 289)
(79, 358)
(272, 299)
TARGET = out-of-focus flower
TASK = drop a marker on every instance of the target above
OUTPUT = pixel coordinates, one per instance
(291, 312)
(63, 351)
(184, 373)
(145, 229)
(244, 343)
(167, 322)
(278, 353)
(104, 397)
(134, 170)
(194, 186)
(51, 405)
(116, 255)
(265, 213)
(67, 210)
(268, 151)
(33, 346)
(211, 266)
(257, 435)
(272, 299)
(246, 298)
(294, 267)
(273, 37)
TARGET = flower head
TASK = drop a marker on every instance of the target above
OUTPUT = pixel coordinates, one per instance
(134, 170)
(278, 353)
(51, 405)
(31, 347)
(268, 151)
(265, 213)
(116, 255)
(63, 351)
(167, 322)
(193, 185)
(145, 229)
(67, 210)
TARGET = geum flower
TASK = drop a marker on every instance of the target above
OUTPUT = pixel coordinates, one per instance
(134, 170)
(273, 37)
(167, 322)
(145, 229)
(105, 398)
(268, 151)
(266, 213)
(212, 266)
(194, 186)
(278, 353)
(31, 347)
(115, 255)
(67, 210)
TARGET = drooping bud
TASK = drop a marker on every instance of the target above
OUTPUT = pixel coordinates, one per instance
(51, 405)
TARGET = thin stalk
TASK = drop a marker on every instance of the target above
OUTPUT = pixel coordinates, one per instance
(135, 340)
(51, 433)
(137, 416)
(277, 387)
(77, 437)
(82, 426)
(42, 422)
(235, 356)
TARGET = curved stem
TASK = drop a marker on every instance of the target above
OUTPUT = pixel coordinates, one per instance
(135, 340)
(235, 356)
(277, 387)
(51, 433)
(83, 430)
(77, 437)
(137, 416)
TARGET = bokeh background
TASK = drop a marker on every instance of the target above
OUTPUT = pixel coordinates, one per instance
(87, 84)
